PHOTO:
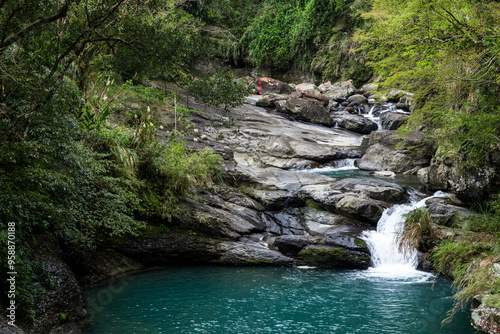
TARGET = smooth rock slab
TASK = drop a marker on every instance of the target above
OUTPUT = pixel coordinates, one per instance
(372, 188)
(251, 252)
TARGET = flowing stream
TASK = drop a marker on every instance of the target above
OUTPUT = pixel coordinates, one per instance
(386, 257)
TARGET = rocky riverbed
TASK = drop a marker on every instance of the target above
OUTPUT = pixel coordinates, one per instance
(270, 209)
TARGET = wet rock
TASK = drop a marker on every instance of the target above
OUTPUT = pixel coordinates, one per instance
(292, 244)
(332, 256)
(307, 109)
(355, 123)
(346, 236)
(360, 99)
(172, 247)
(372, 188)
(271, 100)
(273, 187)
(369, 88)
(64, 296)
(363, 209)
(361, 199)
(468, 183)
(339, 91)
(251, 253)
(307, 86)
(268, 85)
(446, 214)
(289, 221)
(392, 120)
(396, 95)
(486, 319)
(415, 150)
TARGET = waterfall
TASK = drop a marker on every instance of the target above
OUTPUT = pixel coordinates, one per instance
(338, 165)
(373, 118)
(383, 244)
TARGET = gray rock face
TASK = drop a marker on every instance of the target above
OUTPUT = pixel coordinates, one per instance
(372, 188)
(64, 297)
(355, 123)
(486, 319)
(263, 139)
(346, 236)
(305, 108)
(392, 120)
(339, 90)
(415, 152)
(468, 183)
(445, 214)
(271, 100)
(292, 244)
(251, 252)
(267, 85)
(361, 199)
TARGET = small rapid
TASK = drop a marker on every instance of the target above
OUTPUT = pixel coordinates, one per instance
(388, 261)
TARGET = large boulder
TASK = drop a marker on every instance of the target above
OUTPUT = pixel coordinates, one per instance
(361, 199)
(268, 85)
(333, 256)
(486, 319)
(304, 107)
(250, 252)
(445, 214)
(392, 120)
(357, 98)
(467, 182)
(339, 90)
(388, 152)
(307, 86)
(355, 123)
(346, 236)
(271, 100)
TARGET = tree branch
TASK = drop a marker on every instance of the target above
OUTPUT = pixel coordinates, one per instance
(45, 20)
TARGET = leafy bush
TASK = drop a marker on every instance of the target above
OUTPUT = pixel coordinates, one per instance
(417, 225)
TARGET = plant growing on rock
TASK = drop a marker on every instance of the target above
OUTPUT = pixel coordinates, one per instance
(417, 227)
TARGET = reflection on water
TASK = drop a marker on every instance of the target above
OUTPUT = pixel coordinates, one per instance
(216, 299)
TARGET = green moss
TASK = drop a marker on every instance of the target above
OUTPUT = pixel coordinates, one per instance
(336, 257)
(313, 204)
(360, 243)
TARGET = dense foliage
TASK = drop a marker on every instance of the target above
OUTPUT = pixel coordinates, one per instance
(447, 52)
(310, 35)
(65, 170)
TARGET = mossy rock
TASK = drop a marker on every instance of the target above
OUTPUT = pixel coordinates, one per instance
(335, 257)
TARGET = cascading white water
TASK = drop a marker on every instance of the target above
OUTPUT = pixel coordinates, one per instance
(373, 118)
(383, 244)
(342, 164)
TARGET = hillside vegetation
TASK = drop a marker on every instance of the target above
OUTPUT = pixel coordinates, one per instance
(69, 66)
